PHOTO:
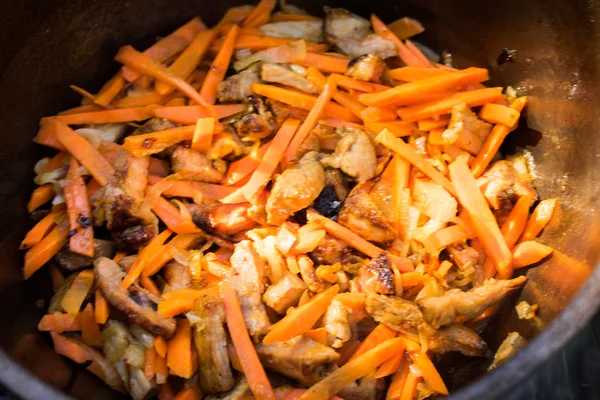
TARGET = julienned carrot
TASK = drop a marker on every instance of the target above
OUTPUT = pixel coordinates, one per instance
(90, 332)
(203, 134)
(168, 46)
(181, 359)
(303, 101)
(398, 128)
(318, 335)
(334, 123)
(410, 386)
(84, 152)
(40, 230)
(87, 96)
(354, 301)
(191, 189)
(353, 370)
(494, 140)
(161, 346)
(499, 114)
(77, 351)
(309, 122)
(325, 63)
(151, 98)
(251, 365)
(149, 361)
(397, 384)
(46, 136)
(471, 198)
(144, 258)
(192, 392)
(438, 107)
(110, 90)
(188, 115)
(47, 248)
(302, 318)
(430, 375)
(172, 217)
(539, 219)
(378, 114)
(380, 334)
(410, 279)
(431, 123)
(404, 94)
(81, 109)
(155, 142)
(223, 29)
(180, 242)
(180, 301)
(261, 14)
(403, 52)
(296, 394)
(149, 285)
(390, 366)
(79, 212)
(407, 152)
(101, 308)
(217, 70)
(40, 196)
(529, 252)
(59, 322)
(516, 221)
(281, 16)
(356, 84)
(236, 14)
(104, 117)
(419, 54)
(243, 167)
(77, 292)
(360, 244)
(257, 43)
(189, 59)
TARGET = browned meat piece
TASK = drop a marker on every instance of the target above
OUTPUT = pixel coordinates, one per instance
(502, 187)
(280, 74)
(300, 358)
(190, 164)
(136, 303)
(401, 315)
(222, 219)
(465, 130)
(354, 154)
(458, 338)
(335, 322)
(282, 111)
(214, 371)
(363, 217)
(135, 237)
(177, 275)
(295, 189)
(155, 125)
(285, 293)
(463, 255)
(353, 36)
(330, 251)
(443, 310)
(256, 125)
(377, 276)
(369, 67)
(246, 277)
(237, 87)
(367, 388)
(311, 31)
(70, 261)
(309, 275)
(311, 143)
(239, 392)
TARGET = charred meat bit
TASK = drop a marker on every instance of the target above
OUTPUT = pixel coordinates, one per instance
(311, 31)
(354, 154)
(237, 87)
(260, 122)
(70, 261)
(285, 293)
(377, 276)
(134, 237)
(369, 67)
(155, 125)
(327, 203)
(280, 74)
(177, 275)
(222, 219)
(335, 322)
(282, 111)
(309, 275)
(190, 164)
(330, 251)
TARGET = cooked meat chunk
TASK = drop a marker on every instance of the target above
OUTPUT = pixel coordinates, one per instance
(222, 219)
(354, 154)
(443, 310)
(282, 111)
(465, 130)
(353, 36)
(70, 261)
(155, 125)
(177, 275)
(401, 315)
(285, 293)
(333, 178)
(246, 279)
(309, 275)
(299, 358)
(335, 322)
(377, 276)
(135, 237)
(237, 87)
(463, 255)
(239, 391)
(311, 31)
(190, 164)
(214, 371)
(136, 303)
(457, 338)
(256, 125)
(295, 189)
(369, 67)
(279, 74)
(361, 215)
(330, 251)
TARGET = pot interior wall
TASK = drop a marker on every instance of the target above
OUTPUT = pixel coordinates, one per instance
(49, 45)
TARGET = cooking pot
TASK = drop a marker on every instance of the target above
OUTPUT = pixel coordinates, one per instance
(47, 45)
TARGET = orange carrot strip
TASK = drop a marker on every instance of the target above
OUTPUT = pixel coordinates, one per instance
(410, 279)
(481, 216)
(377, 114)
(430, 375)
(397, 385)
(410, 386)
(431, 124)
(172, 217)
(180, 353)
(149, 285)
(81, 109)
(77, 292)
(176, 102)
(217, 70)
(188, 115)
(380, 334)
(223, 29)
(261, 14)
(529, 252)
(403, 52)
(494, 140)
(256, 43)
(110, 90)
(516, 221)
(155, 142)
(79, 210)
(47, 248)
(87, 96)
(243, 167)
(419, 54)
(149, 361)
(318, 335)
(84, 152)
(539, 219)
(353, 370)
(40, 196)
(46, 136)
(398, 128)
(345, 99)
(59, 322)
(192, 392)
(151, 98)
(356, 84)
(251, 365)
(203, 134)
(40, 230)
(90, 332)
(104, 117)
(144, 258)
(78, 352)
(296, 394)
(302, 318)
(499, 114)
(236, 15)
(168, 46)
(180, 242)
(403, 94)
(324, 63)
(407, 152)
(390, 366)
(191, 188)
(101, 308)
(161, 346)
(161, 371)
(354, 301)
(281, 16)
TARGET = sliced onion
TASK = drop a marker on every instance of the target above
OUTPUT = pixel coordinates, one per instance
(287, 53)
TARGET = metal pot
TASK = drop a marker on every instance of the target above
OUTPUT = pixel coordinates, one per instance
(51, 44)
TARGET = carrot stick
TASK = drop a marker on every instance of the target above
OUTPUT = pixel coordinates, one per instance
(354, 301)
(203, 134)
(172, 217)
(219, 67)
(261, 14)
(101, 308)
(110, 90)
(431, 123)
(47, 248)
(324, 63)
(318, 335)
(529, 252)
(397, 385)
(176, 102)
(243, 167)
(79, 212)
(345, 99)
(494, 140)
(410, 279)
(539, 219)
(84, 152)
(516, 221)
(256, 43)
(377, 114)
(430, 375)
(81, 109)
(151, 98)
(78, 352)
(155, 142)
(77, 292)
(191, 188)
(408, 153)
(46, 136)
(390, 366)
(403, 94)
(481, 216)
(40, 230)
(380, 334)
(144, 258)
(161, 346)
(418, 53)
(273, 156)
(223, 29)
(161, 371)
(189, 393)
(90, 332)
(251, 365)
(59, 322)
(104, 117)
(168, 46)
(180, 354)
(356, 84)
(403, 52)
(499, 114)
(149, 361)
(410, 386)
(303, 101)
(439, 107)
(187, 61)
(180, 242)
(398, 128)
(188, 115)
(149, 285)
(302, 318)
(353, 370)
(40, 196)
